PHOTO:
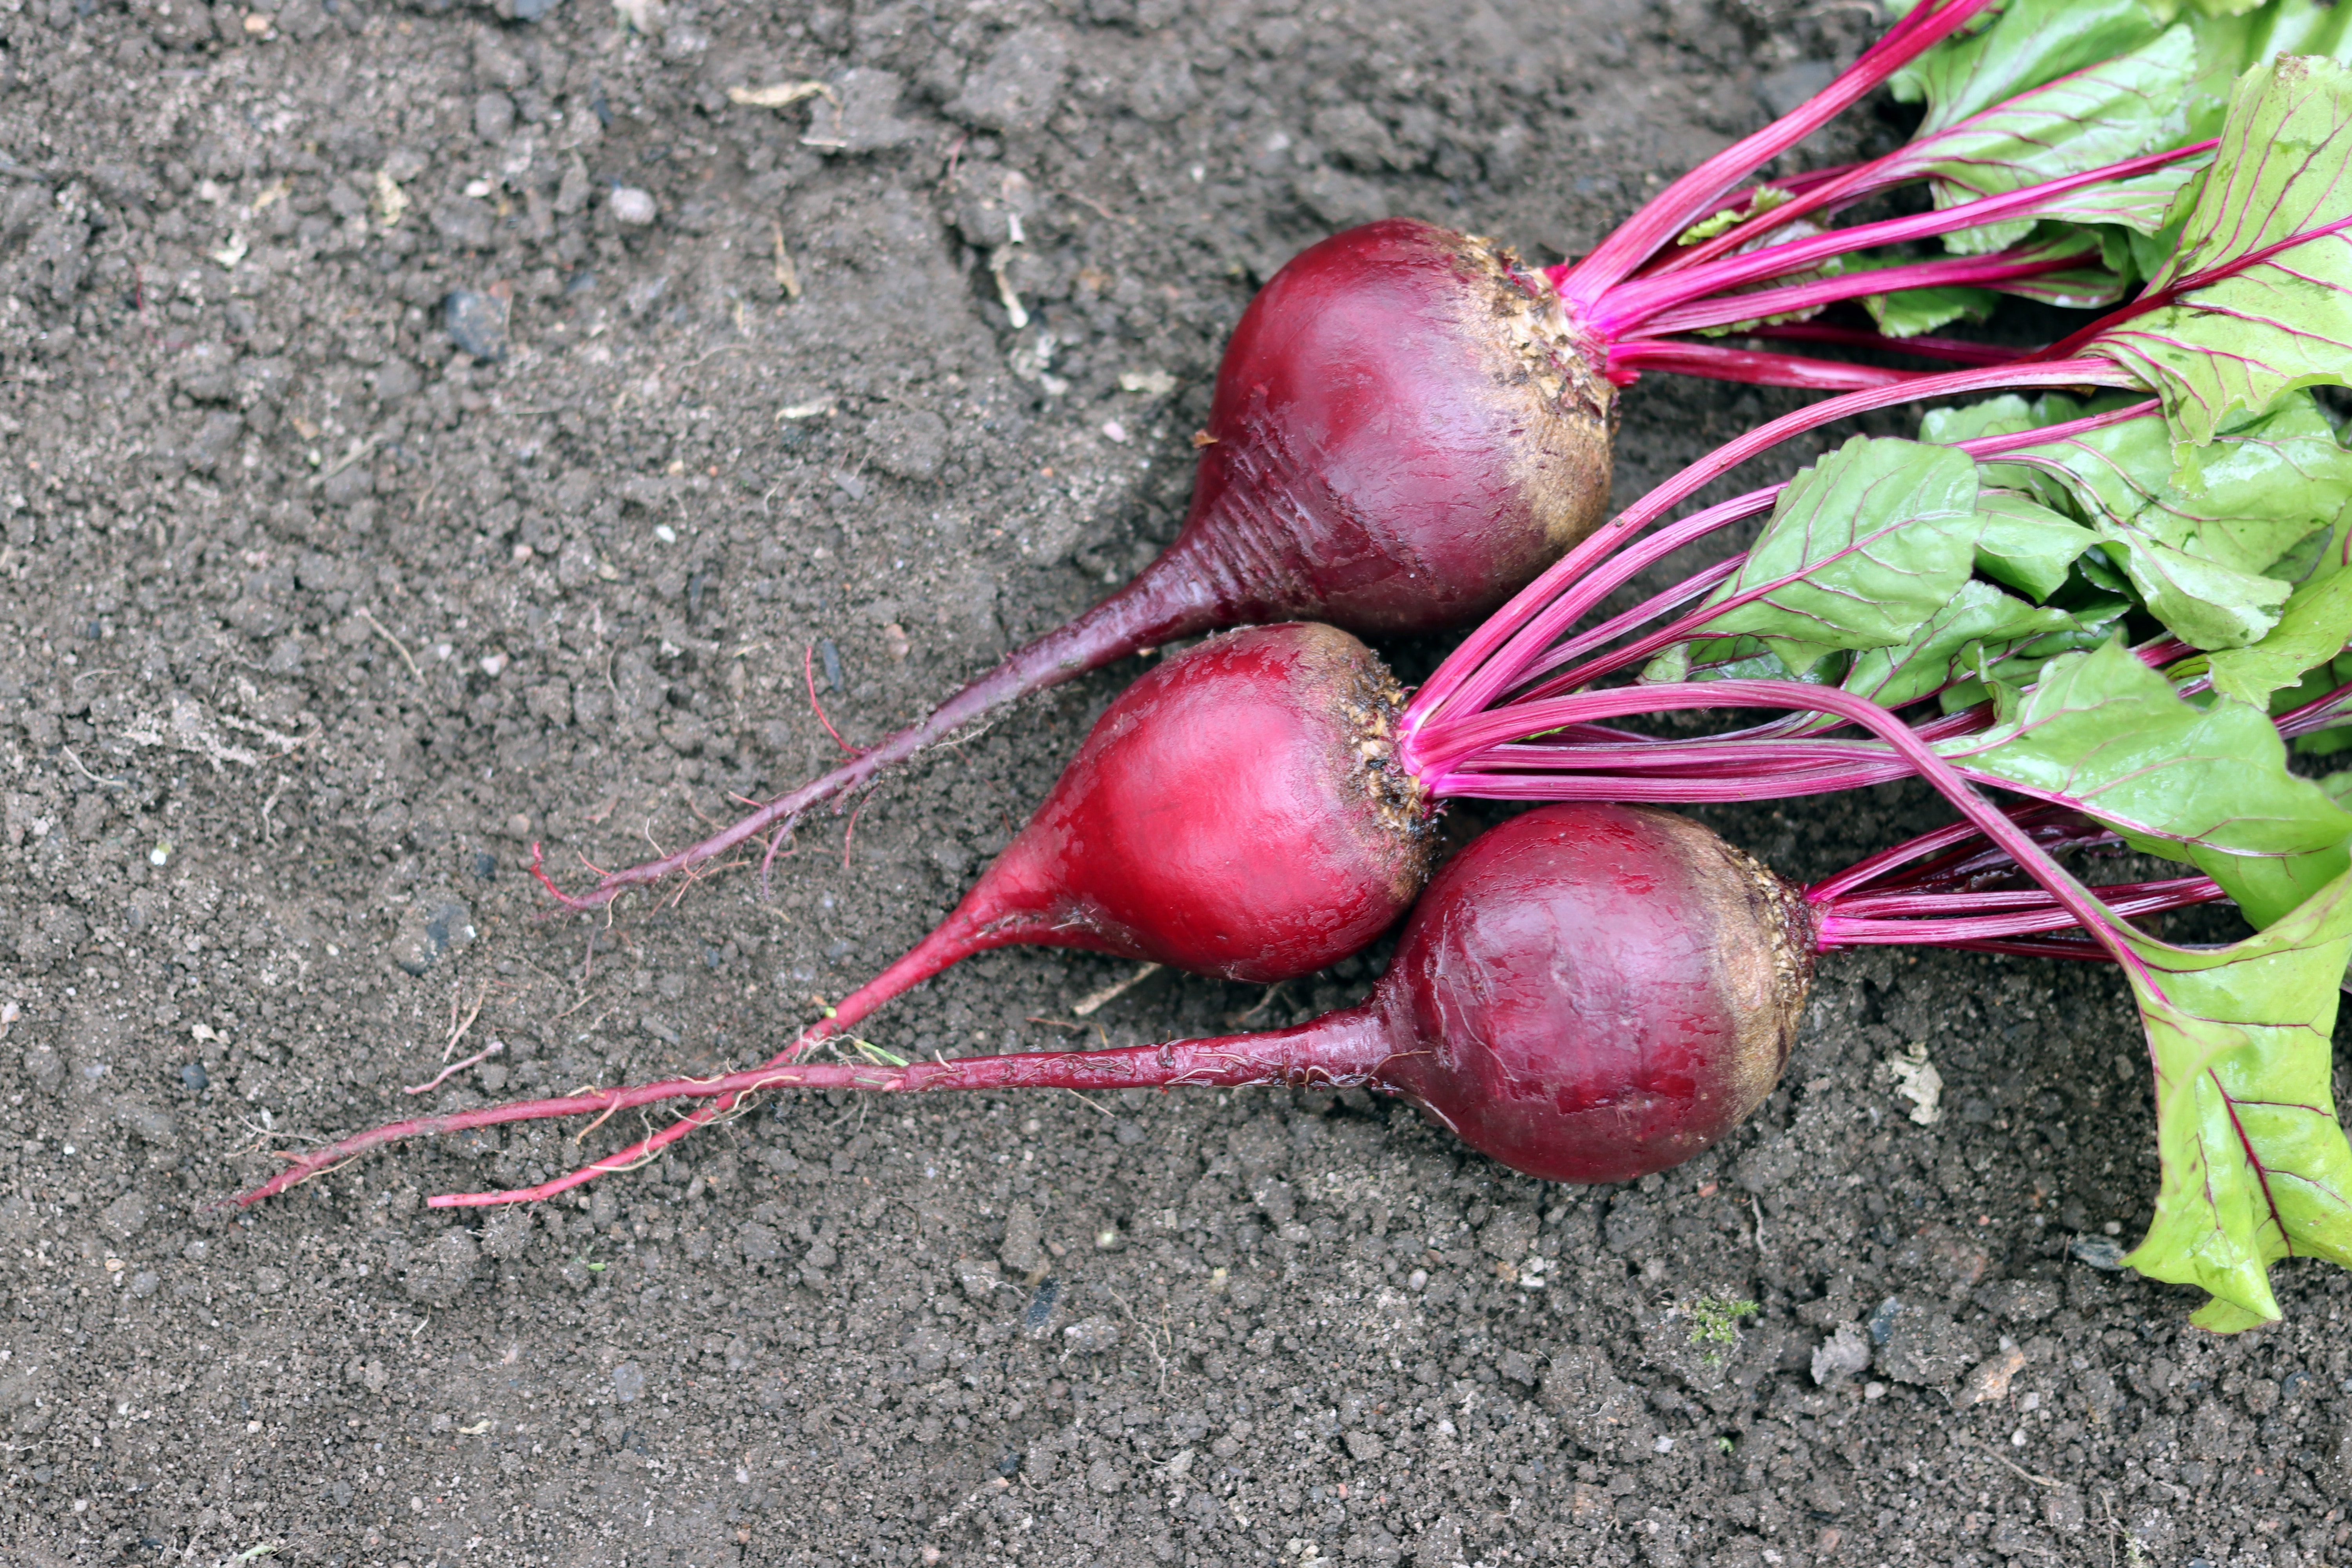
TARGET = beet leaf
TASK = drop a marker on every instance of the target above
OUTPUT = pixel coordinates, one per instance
(2256, 299)
(2255, 1164)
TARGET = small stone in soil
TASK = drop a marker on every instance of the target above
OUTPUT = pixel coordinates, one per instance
(633, 206)
(477, 323)
(433, 928)
(2099, 1251)
(192, 1078)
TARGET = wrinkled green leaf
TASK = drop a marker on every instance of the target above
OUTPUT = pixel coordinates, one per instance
(2266, 888)
(1737, 659)
(2097, 622)
(2113, 107)
(2142, 205)
(2311, 631)
(1910, 311)
(2028, 43)
(1979, 620)
(2255, 1166)
(2026, 545)
(2104, 732)
(1861, 548)
(2228, 44)
(2271, 326)
(2209, 547)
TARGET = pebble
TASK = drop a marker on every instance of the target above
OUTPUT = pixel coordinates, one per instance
(633, 206)
(2099, 1251)
(1041, 1306)
(477, 323)
(194, 1078)
(628, 1381)
(434, 926)
(1882, 1321)
(1020, 1253)
(125, 1218)
(1094, 1334)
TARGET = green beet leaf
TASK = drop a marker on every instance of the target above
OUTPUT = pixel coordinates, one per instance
(2027, 545)
(1859, 550)
(2113, 107)
(2209, 546)
(2028, 43)
(2239, 333)
(2313, 628)
(2243, 35)
(2255, 1166)
(1979, 624)
(2104, 732)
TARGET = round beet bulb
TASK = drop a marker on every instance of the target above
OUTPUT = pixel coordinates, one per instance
(1236, 811)
(1405, 433)
(1590, 992)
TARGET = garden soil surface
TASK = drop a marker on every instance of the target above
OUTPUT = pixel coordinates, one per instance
(427, 431)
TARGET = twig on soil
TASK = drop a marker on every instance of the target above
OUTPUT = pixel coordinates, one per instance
(2024, 1473)
(364, 614)
(1273, 991)
(485, 1053)
(1756, 1207)
(68, 753)
(1091, 1105)
(1095, 1001)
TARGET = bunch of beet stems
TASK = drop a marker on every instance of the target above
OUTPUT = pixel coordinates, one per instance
(1358, 468)
(1953, 887)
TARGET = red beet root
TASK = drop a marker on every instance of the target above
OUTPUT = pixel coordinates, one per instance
(1593, 993)
(1402, 435)
(1153, 844)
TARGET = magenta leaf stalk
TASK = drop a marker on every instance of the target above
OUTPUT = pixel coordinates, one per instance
(1703, 189)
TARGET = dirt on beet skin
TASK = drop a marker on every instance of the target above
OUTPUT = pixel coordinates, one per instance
(427, 429)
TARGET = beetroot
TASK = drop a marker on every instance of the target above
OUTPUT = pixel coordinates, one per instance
(1409, 424)
(1154, 843)
(1590, 993)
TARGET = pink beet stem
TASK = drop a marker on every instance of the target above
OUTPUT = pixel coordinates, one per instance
(2316, 714)
(1956, 350)
(1636, 304)
(1630, 358)
(2032, 914)
(1160, 607)
(1470, 736)
(1339, 1048)
(1497, 656)
(1853, 182)
(2034, 816)
(1701, 191)
(1722, 310)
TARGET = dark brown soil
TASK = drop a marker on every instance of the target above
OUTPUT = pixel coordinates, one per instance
(315, 620)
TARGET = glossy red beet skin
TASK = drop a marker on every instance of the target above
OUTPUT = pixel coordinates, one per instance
(1233, 813)
(1592, 992)
(1404, 435)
